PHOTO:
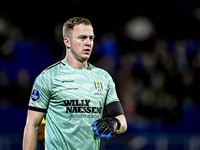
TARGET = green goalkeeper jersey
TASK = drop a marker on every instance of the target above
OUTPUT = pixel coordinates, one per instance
(72, 99)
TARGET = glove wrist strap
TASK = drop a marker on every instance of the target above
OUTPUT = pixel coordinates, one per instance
(118, 122)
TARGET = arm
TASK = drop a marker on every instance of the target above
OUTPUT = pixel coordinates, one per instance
(106, 128)
(114, 124)
(115, 109)
(123, 127)
(33, 121)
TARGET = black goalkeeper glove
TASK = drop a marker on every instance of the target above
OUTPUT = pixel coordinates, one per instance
(106, 127)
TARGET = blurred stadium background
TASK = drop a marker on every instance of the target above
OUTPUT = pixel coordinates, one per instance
(151, 49)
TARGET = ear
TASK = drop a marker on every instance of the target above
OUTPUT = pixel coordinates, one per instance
(67, 42)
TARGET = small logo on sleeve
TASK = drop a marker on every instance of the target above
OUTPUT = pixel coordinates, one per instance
(35, 95)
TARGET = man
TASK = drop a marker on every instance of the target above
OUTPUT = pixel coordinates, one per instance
(72, 95)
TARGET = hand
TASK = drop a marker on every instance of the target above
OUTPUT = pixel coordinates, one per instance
(106, 127)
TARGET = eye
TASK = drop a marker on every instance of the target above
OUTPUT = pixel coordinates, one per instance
(83, 37)
(91, 38)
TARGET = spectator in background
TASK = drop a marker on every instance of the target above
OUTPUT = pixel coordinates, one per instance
(108, 52)
(21, 60)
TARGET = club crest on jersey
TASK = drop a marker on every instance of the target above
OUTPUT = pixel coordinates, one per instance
(98, 85)
(35, 95)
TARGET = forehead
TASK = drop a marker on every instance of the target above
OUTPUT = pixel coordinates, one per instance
(82, 29)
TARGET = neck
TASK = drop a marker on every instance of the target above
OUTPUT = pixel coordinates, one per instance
(75, 63)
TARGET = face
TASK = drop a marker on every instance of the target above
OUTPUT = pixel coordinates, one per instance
(81, 42)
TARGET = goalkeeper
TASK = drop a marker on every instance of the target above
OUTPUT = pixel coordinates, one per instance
(72, 95)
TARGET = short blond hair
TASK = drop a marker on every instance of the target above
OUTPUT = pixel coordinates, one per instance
(71, 23)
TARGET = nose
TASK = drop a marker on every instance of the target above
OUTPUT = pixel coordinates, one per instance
(88, 42)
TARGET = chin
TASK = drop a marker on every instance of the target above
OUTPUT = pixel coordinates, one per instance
(86, 57)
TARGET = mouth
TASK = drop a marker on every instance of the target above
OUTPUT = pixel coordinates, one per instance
(87, 51)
